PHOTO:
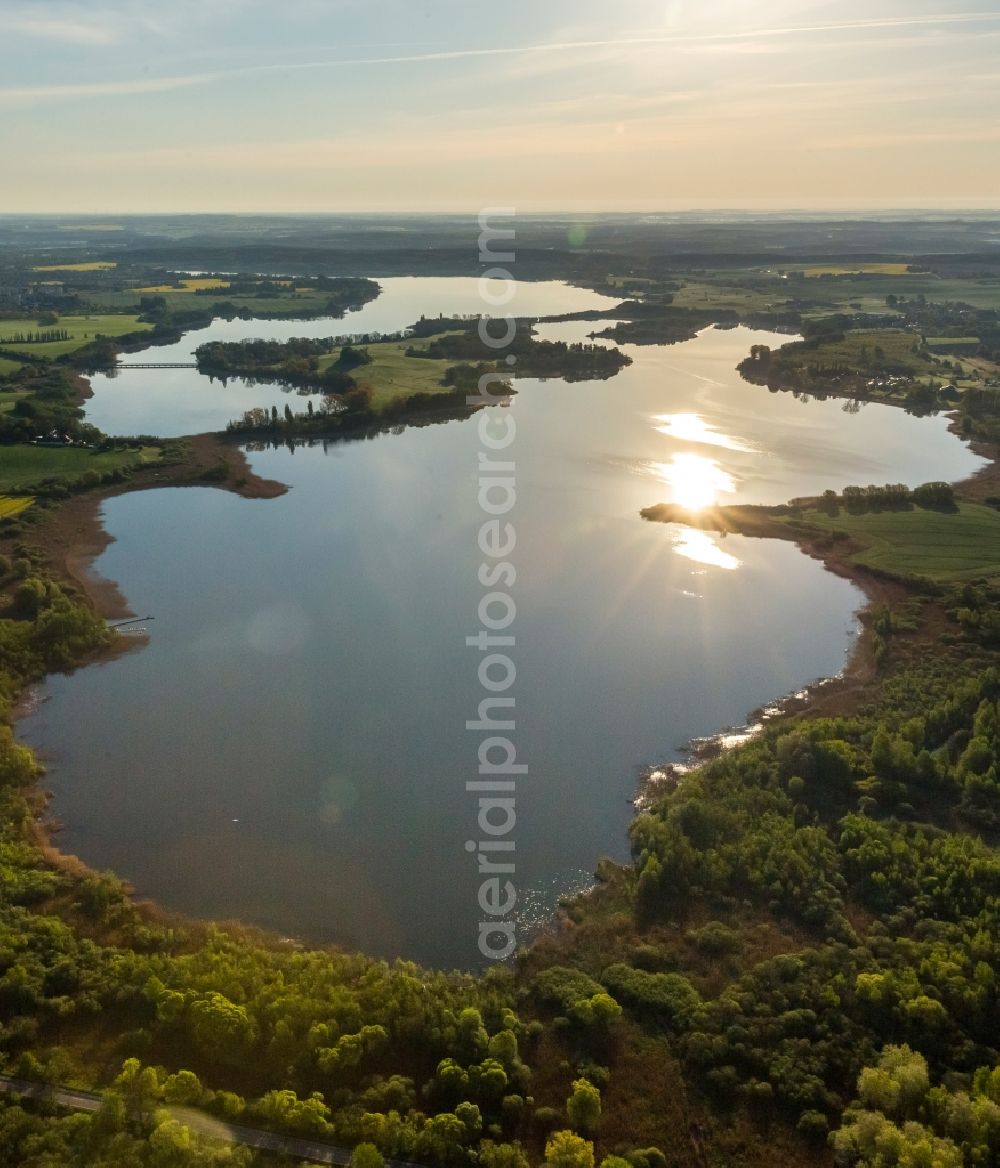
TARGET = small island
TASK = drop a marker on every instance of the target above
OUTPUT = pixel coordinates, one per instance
(366, 379)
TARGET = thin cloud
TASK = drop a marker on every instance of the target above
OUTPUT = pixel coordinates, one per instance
(107, 22)
(941, 135)
(22, 94)
(69, 31)
(28, 93)
(670, 39)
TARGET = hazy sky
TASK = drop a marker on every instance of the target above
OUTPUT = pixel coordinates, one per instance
(385, 105)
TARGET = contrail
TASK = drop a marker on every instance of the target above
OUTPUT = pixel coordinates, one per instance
(671, 39)
(148, 85)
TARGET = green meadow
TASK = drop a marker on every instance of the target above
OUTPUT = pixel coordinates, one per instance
(296, 302)
(870, 291)
(21, 467)
(937, 545)
(860, 347)
(10, 398)
(82, 330)
(393, 375)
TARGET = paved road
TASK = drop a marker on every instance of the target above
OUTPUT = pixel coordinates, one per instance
(233, 1133)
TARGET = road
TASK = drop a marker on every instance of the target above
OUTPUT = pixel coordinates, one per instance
(233, 1133)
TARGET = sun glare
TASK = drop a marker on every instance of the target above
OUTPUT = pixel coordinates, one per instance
(694, 428)
(696, 481)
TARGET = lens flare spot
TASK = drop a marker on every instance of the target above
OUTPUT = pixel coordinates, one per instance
(277, 630)
(337, 796)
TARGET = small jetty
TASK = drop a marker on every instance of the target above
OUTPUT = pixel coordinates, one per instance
(131, 627)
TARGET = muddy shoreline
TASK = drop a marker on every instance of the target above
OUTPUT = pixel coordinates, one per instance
(72, 535)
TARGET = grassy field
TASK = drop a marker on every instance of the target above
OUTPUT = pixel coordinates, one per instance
(864, 350)
(91, 227)
(393, 375)
(626, 281)
(11, 505)
(9, 399)
(9, 365)
(82, 330)
(861, 269)
(297, 302)
(769, 293)
(128, 301)
(96, 266)
(936, 545)
(949, 344)
(870, 291)
(23, 466)
(865, 287)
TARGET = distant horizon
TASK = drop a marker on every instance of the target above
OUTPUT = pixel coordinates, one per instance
(541, 213)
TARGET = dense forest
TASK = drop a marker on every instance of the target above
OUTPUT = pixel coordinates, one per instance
(46, 398)
(533, 358)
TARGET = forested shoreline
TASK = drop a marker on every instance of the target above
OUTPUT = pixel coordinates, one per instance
(798, 966)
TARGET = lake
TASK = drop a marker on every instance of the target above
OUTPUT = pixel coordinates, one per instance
(290, 748)
(172, 401)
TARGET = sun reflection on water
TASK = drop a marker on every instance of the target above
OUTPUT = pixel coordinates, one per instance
(695, 481)
(702, 548)
(694, 428)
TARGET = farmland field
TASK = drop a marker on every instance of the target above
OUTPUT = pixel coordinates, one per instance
(82, 330)
(952, 343)
(189, 284)
(937, 545)
(859, 270)
(295, 303)
(96, 266)
(91, 227)
(871, 290)
(23, 466)
(741, 298)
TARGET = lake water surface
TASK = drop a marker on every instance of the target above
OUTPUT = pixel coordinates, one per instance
(290, 748)
(173, 401)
